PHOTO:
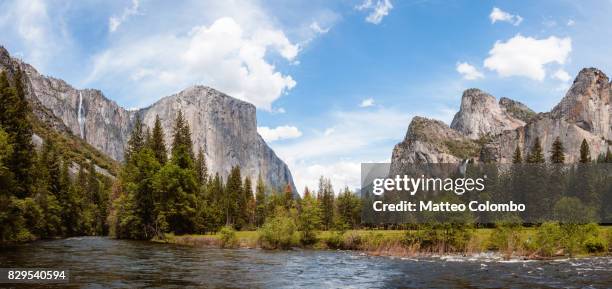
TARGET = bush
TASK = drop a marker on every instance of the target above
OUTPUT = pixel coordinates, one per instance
(352, 241)
(595, 244)
(335, 240)
(445, 237)
(279, 232)
(227, 237)
(548, 238)
(506, 237)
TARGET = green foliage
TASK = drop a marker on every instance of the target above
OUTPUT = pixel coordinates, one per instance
(536, 156)
(201, 168)
(557, 156)
(570, 210)
(326, 202)
(548, 238)
(517, 158)
(349, 208)
(441, 237)
(463, 149)
(507, 237)
(234, 198)
(335, 240)
(585, 152)
(175, 197)
(38, 197)
(182, 147)
(595, 244)
(227, 237)
(157, 144)
(260, 202)
(309, 219)
(279, 231)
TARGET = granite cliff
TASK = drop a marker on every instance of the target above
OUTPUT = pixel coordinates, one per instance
(224, 127)
(486, 130)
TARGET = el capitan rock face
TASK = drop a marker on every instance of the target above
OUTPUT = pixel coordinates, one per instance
(224, 127)
(497, 129)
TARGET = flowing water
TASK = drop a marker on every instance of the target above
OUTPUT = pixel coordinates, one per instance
(97, 262)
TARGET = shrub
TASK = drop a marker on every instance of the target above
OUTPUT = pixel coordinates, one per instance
(227, 237)
(334, 241)
(575, 235)
(445, 237)
(548, 238)
(279, 232)
(352, 241)
(595, 244)
(506, 237)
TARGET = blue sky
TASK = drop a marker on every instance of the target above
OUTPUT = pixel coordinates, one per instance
(335, 82)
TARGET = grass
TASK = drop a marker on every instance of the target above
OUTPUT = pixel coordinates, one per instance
(375, 242)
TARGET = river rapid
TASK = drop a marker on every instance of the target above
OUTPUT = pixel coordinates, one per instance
(99, 262)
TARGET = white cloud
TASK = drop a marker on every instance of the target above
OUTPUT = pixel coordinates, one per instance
(378, 9)
(278, 133)
(341, 173)
(367, 102)
(224, 55)
(317, 28)
(571, 22)
(353, 135)
(503, 16)
(115, 21)
(37, 32)
(562, 75)
(526, 56)
(468, 71)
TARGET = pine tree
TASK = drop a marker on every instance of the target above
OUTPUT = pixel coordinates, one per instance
(288, 197)
(326, 201)
(260, 202)
(52, 166)
(182, 147)
(557, 155)
(201, 168)
(158, 144)
(517, 158)
(15, 120)
(349, 207)
(249, 210)
(309, 219)
(536, 156)
(234, 201)
(585, 153)
(136, 141)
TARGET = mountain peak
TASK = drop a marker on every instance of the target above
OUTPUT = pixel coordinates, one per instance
(587, 102)
(480, 115)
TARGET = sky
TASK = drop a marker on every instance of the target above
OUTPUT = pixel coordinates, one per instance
(335, 83)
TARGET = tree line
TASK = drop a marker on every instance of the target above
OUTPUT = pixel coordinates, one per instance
(39, 196)
(161, 191)
(557, 155)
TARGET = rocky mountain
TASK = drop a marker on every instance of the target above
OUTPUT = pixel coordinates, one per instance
(224, 127)
(480, 114)
(486, 130)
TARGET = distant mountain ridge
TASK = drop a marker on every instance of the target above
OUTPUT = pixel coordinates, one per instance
(224, 127)
(487, 130)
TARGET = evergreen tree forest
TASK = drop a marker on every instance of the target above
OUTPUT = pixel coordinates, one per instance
(45, 192)
(156, 194)
(54, 189)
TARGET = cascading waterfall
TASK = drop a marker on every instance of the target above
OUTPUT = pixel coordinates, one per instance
(80, 118)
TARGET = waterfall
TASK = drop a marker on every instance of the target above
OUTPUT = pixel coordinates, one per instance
(80, 116)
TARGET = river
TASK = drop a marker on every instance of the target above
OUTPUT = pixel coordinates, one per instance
(97, 262)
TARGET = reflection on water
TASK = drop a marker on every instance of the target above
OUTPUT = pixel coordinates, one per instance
(103, 262)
